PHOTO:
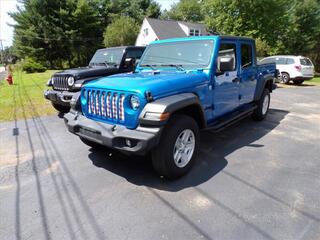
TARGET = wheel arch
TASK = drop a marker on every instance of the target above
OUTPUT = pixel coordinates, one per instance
(266, 84)
(185, 103)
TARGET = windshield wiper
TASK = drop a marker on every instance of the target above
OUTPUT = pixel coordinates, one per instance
(111, 63)
(107, 64)
(149, 65)
(177, 66)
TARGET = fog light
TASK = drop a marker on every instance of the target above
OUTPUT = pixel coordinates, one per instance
(128, 142)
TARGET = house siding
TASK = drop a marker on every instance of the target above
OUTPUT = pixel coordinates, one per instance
(184, 28)
(142, 39)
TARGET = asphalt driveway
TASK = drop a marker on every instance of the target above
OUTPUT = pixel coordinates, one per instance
(251, 181)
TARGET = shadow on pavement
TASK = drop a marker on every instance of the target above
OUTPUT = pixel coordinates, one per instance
(211, 159)
(64, 184)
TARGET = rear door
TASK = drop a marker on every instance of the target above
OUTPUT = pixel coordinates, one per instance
(248, 72)
(307, 68)
(226, 92)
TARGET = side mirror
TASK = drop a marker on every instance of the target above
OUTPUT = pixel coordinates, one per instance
(129, 62)
(225, 64)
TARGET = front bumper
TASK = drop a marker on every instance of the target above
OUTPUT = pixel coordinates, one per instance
(114, 136)
(59, 97)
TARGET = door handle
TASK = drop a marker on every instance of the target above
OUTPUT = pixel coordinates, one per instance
(235, 80)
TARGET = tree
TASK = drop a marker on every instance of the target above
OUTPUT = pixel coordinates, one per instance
(57, 32)
(264, 19)
(136, 9)
(280, 26)
(123, 31)
(85, 33)
(303, 34)
(185, 10)
(66, 33)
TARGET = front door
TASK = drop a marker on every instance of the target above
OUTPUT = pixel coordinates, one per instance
(226, 92)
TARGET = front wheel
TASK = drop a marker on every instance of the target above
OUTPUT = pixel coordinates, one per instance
(178, 147)
(262, 106)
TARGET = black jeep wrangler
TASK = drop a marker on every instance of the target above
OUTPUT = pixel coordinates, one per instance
(105, 62)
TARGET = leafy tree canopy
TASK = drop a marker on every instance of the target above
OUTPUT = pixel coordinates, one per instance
(123, 31)
(185, 10)
(67, 32)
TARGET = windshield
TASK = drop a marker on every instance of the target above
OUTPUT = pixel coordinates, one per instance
(181, 55)
(107, 57)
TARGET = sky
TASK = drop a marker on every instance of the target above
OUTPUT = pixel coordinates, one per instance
(6, 32)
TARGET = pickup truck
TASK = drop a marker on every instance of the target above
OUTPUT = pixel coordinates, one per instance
(180, 86)
(104, 62)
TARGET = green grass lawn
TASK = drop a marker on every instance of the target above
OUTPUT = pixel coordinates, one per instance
(315, 80)
(25, 98)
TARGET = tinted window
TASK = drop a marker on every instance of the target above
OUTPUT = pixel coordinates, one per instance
(134, 54)
(246, 55)
(227, 50)
(267, 61)
(280, 61)
(290, 61)
(305, 62)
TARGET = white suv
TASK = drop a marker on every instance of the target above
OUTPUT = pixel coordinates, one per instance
(294, 68)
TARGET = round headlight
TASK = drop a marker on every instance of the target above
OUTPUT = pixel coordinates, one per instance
(70, 81)
(135, 102)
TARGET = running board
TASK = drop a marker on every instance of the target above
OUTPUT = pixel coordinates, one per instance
(226, 122)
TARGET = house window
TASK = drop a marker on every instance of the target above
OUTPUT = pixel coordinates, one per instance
(146, 31)
(194, 32)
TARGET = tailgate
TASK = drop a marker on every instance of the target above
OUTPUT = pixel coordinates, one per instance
(307, 68)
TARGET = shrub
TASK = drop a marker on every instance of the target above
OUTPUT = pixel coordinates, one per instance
(31, 66)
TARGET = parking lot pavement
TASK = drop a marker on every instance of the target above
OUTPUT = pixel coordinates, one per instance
(255, 180)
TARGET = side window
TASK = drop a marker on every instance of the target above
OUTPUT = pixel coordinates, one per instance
(136, 54)
(290, 61)
(227, 56)
(281, 61)
(246, 55)
(267, 61)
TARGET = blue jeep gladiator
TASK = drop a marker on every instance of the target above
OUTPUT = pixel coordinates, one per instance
(181, 86)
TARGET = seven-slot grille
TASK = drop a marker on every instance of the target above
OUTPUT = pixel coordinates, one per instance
(105, 104)
(60, 82)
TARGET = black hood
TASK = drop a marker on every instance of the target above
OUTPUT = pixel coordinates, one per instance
(86, 72)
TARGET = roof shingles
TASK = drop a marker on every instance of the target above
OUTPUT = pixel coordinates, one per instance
(165, 29)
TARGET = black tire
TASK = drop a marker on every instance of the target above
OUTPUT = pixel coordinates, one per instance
(61, 108)
(259, 113)
(91, 144)
(163, 155)
(298, 82)
(285, 78)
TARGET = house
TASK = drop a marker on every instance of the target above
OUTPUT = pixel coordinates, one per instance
(156, 29)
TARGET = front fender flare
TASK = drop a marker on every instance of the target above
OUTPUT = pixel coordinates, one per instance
(170, 105)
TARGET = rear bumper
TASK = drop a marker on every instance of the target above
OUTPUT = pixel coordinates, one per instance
(114, 136)
(59, 97)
